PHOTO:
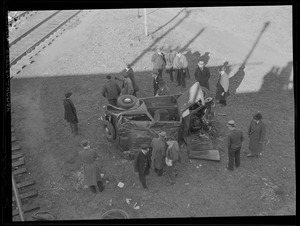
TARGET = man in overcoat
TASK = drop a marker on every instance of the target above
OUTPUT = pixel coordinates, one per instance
(156, 81)
(202, 75)
(222, 87)
(169, 57)
(141, 164)
(92, 177)
(158, 61)
(159, 147)
(235, 139)
(180, 66)
(70, 113)
(111, 91)
(256, 133)
(173, 154)
(130, 73)
(127, 87)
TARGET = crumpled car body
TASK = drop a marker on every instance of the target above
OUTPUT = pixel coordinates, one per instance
(176, 114)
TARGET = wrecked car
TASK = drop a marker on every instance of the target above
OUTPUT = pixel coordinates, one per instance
(184, 117)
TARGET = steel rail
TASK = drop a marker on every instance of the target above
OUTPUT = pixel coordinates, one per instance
(33, 28)
(15, 60)
(19, 204)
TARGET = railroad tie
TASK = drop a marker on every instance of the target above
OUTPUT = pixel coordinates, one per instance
(26, 209)
(13, 139)
(25, 184)
(16, 148)
(17, 156)
(20, 171)
(18, 163)
(26, 195)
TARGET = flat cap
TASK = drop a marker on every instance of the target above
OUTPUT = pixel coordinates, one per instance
(162, 134)
(144, 146)
(68, 94)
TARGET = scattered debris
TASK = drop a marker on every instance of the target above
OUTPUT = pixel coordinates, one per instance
(136, 207)
(128, 201)
(120, 185)
(188, 205)
(187, 183)
(110, 202)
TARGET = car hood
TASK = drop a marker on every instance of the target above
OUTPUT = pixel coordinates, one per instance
(189, 97)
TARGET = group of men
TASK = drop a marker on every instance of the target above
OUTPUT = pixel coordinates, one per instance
(165, 156)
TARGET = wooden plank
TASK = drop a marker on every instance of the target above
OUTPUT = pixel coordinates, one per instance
(16, 156)
(18, 163)
(27, 209)
(20, 171)
(25, 183)
(16, 148)
(26, 195)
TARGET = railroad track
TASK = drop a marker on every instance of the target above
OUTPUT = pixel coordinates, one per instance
(36, 38)
(22, 184)
(17, 17)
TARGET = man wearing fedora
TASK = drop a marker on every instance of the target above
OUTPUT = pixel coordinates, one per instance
(235, 139)
(111, 91)
(130, 74)
(141, 164)
(159, 147)
(202, 74)
(70, 113)
(256, 133)
(92, 176)
(158, 61)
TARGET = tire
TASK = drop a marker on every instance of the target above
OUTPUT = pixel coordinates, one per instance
(127, 101)
(109, 130)
(205, 91)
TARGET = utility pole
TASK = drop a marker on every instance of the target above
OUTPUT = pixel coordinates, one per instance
(145, 20)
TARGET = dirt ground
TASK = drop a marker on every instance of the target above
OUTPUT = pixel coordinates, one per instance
(99, 44)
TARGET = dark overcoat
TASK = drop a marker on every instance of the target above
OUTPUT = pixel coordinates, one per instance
(159, 148)
(257, 133)
(202, 76)
(70, 111)
(130, 74)
(91, 169)
(141, 163)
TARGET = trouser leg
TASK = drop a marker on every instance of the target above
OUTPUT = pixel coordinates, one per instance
(142, 178)
(178, 77)
(160, 172)
(100, 186)
(237, 157)
(230, 159)
(183, 75)
(93, 188)
(76, 128)
(71, 127)
(170, 173)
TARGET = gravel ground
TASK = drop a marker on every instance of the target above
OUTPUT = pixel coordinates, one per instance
(99, 44)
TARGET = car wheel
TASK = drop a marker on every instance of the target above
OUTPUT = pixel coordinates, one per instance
(109, 130)
(127, 101)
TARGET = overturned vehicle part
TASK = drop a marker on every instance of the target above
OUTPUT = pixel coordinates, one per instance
(181, 116)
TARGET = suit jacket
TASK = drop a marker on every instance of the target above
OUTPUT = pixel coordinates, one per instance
(70, 111)
(235, 139)
(180, 62)
(111, 90)
(202, 76)
(141, 163)
(169, 57)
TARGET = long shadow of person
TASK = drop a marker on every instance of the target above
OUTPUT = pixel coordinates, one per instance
(237, 79)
